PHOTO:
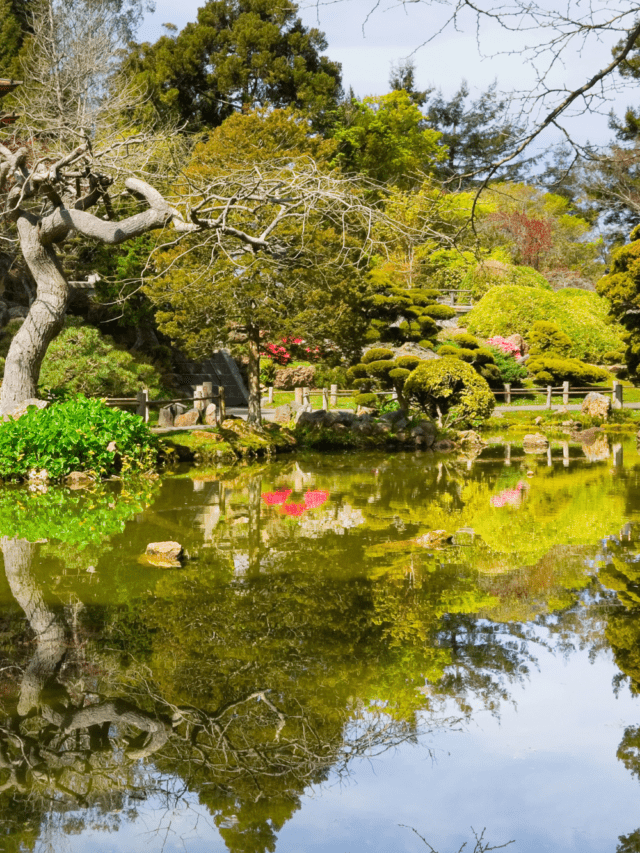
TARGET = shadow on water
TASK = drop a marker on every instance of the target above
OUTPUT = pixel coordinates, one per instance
(318, 620)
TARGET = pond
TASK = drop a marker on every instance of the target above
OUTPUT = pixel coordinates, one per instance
(326, 673)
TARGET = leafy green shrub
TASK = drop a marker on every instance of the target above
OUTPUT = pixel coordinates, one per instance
(268, 371)
(613, 357)
(358, 371)
(369, 401)
(511, 371)
(440, 312)
(547, 337)
(449, 388)
(494, 273)
(581, 314)
(377, 354)
(380, 369)
(553, 370)
(326, 376)
(467, 355)
(449, 349)
(408, 362)
(81, 360)
(399, 376)
(466, 341)
(622, 288)
(75, 436)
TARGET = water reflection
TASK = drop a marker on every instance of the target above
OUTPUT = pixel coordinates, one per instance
(293, 642)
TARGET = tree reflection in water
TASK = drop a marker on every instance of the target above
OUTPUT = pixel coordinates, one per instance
(292, 643)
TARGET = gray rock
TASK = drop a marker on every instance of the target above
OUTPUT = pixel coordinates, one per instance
(164, 554)
(190, 418)
(596, 405)
(416, 432)
(4, 313)
(289, 378)
(18, 312)
(166, 416)
(314, 419)
(339, 416)
(444, 446)
(21, 409)
(365, 410)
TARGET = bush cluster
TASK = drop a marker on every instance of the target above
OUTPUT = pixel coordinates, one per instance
(581, 314)
(450, 390)
(494, 273)
(75, 435)
(380, 371)
(549, 362)
(468, 349)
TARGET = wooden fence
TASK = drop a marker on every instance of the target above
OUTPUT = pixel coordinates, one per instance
(203, 395)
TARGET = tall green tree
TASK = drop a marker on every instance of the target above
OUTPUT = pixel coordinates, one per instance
(14, 26)
(238, 55)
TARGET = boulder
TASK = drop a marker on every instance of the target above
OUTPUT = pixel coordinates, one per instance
(339, 417)
(18, 312)
(444, 446)
(78, 480)
(535, 443)
(430, 432)
(21, 409)
(471, 438)
(190, 418)
(519, 341)
(164, 554)
(312, 419)
(211, 415)
(4, 313)
(596, 405)
(166, 416)
(286, 413)
(365, 410)
(289, 378)
(410, 348)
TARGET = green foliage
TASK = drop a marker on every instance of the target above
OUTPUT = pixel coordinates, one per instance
(80, 518)
(511, 371)
(408, 362)
(552, 370)
(399, 376)
(81, 360)
(380, 369)
(622, 288)
(268, 371)
(439, 312)
(448, 387)
(466, 341)
(581, 314)
(384, 137)
(546, 337)
(358, 371)
(377, 354)
(492, 272)
(238, 55)
(14, 27)
(369, 401)
(75, 436)
(449, 349)
(326, 376)
(613, 357)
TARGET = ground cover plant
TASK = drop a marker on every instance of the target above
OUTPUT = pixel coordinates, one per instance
(75, 435)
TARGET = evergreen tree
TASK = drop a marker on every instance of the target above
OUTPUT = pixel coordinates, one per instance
(238, 55)
(476, 134)
(402, 76)
(13, 28)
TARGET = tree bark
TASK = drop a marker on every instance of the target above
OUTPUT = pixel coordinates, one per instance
(44, 321)
(253, 375)
(50, 636)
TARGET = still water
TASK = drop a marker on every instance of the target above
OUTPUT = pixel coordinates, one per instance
(324, 673)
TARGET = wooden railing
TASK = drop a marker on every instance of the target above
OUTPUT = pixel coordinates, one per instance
(203, 395)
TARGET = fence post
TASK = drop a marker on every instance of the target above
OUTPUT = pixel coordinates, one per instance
(270, 395)
(549, 393)
(617, 397)
(298, 393)
(565, 393)
(143, 404)
(207, 394)
(325, 399)
(334, 395)
(306, 399)
(507, 393)
(198, 398)
(222, 406)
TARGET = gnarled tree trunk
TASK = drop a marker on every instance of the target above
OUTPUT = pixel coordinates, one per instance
(42, 324)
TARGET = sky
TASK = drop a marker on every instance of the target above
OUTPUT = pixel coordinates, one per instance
(367, 46)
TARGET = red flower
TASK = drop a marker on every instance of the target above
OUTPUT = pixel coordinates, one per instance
(293, 509)
(275, 498)
(316, 498)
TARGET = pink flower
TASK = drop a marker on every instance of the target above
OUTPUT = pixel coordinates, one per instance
(293, 509)
(275, 498)
(315, 499)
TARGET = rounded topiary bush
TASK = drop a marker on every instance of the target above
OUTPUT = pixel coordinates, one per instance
(408, 362)
(448, 349)
(358, 371)
(75, 435)
(368, 401)
(552, 370)
(466, 341)
(449, 388)
(439, 312)
(380, 369)
(377, 354)
(548, 337)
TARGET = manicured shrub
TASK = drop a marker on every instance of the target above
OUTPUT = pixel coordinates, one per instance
(467, 355)
(358, 371)
(449, 349)
(377, 354)
(511, 371)
(581, 314)
(380, 369)
(408, 362)
(369, 401)
(613, 357)
(547, 337)
(439, 312)
(466, 341)
(553, 370)
(75, 435)
(399, 376)
(448, 388)
(622, 288)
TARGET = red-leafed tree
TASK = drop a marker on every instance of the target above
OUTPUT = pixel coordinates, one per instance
(533, 238)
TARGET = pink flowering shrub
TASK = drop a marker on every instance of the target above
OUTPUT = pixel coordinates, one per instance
(507, 347)
(509, 497)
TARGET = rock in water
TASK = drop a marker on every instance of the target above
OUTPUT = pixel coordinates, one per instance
(190, 418)
(164, 554)
(535, 443)
(596, 405)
